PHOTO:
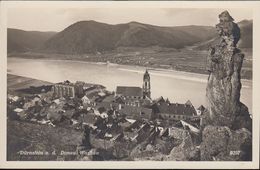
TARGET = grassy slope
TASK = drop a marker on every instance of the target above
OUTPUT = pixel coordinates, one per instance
(21, 41)
(18, 82)
(24, 136)
(90, 36)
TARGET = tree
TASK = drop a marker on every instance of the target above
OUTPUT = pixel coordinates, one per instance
(86, 137)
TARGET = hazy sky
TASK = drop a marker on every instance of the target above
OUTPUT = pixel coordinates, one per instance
(54, 19)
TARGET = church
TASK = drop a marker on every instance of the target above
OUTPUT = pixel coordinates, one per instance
(135, 95)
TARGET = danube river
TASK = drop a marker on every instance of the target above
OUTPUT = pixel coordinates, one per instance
(177, 86)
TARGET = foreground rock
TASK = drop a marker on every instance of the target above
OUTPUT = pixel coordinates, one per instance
(186, 151)
(224, 85)
(222, 144)
(183, 149)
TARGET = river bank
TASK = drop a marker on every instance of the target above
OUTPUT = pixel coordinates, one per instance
(189, 61)
(139, 69)
(177, 86)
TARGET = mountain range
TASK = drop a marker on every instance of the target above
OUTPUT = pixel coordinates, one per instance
(22, 41)
(91, 36)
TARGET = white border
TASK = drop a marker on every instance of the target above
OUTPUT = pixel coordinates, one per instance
(254, 5)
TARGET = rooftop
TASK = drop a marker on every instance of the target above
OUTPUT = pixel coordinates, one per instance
(67, 82)
(175, 108)
(129, 91)
(136, 112)
(201, 108)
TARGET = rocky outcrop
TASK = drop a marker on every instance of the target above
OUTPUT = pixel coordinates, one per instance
(222, 144)
(181, 148)
(186, 151)
(144, 151)
(224, 85)
(227, 124)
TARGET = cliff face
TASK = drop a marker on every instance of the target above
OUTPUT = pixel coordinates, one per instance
(222, 144)
(223, 89)
(228, 137)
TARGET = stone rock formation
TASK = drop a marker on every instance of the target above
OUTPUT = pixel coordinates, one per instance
(222, 144)
(186, 151)
(183, 149)
(223, 89)
(228, 138)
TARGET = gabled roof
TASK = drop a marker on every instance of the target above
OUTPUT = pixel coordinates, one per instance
(201, 108)
(159, 100)
(191, 127)
(136, 125)
(118, 137)
(176, 108)
(119, 100)
(129, 91)
(109, 98)
(189, 103)
(85, 98)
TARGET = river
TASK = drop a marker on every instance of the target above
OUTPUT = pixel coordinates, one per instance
(175, 85)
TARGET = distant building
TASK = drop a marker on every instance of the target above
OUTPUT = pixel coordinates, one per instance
(36, 100)
(134, 96)
(189, 103)
(200, 110)
(134, 112)
(130, 95)
(64, 89)
(129, 92)
(79, 91)
(85, 101)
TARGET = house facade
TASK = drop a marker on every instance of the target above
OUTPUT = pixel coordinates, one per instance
(64, 89)
(130, 95)
(79, 88)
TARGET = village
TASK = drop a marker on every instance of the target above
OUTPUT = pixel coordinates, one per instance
(117, 91)
(126, 120)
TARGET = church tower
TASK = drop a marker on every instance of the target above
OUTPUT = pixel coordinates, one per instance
(146, 85)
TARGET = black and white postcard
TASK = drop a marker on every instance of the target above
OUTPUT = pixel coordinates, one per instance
(130, 84)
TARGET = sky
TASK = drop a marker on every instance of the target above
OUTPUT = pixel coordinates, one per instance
(57, 19)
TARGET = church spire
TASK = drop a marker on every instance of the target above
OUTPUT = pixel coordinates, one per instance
(146, 85)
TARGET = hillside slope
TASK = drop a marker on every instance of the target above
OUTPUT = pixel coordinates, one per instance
(22, 41)
(91, 36)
